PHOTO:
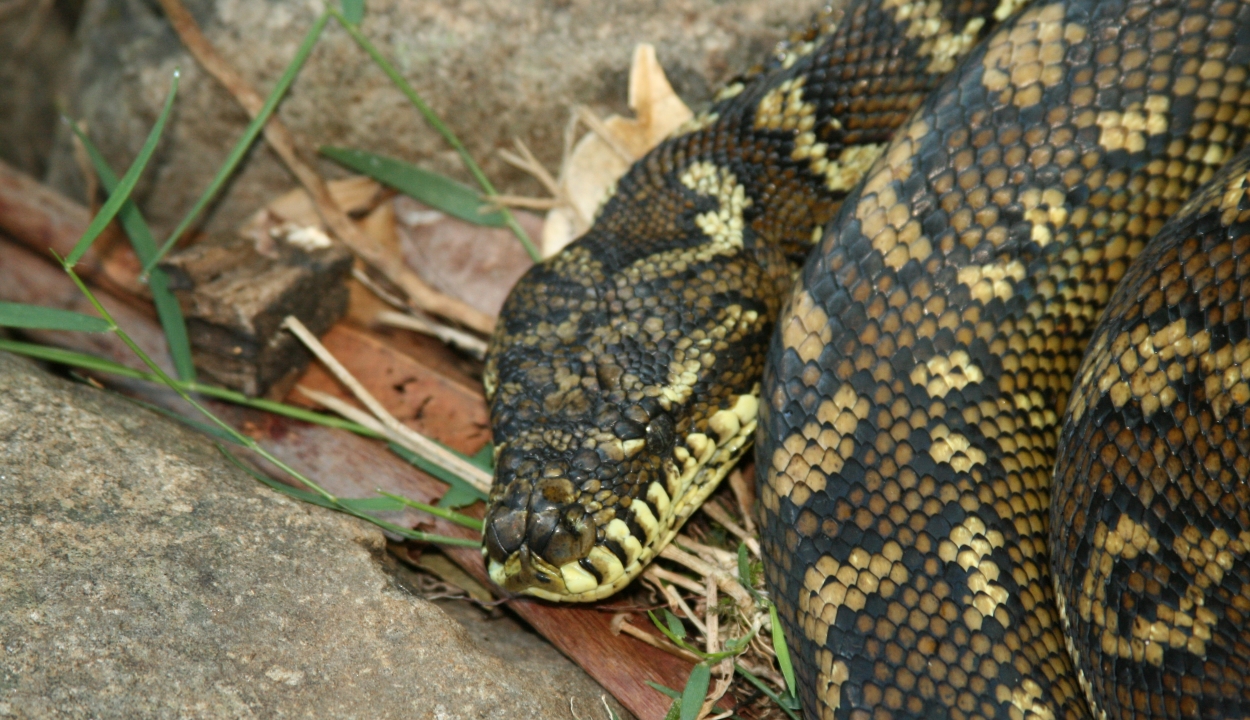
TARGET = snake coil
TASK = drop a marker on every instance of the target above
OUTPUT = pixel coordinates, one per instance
(909, 418)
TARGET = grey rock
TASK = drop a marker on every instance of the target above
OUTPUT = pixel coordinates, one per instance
(142, 576)
(494, 71)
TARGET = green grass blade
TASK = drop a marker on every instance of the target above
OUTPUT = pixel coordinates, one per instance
(664, 690)
(675, 625)
(372, 504)
(457, 484)
(437, 123)
(71, 358)
(768, 692)
(457, 518)
(91, 362)
(438, 191)
(126, 185)
(144, 244)
(324, 496)
(485, 458)
(457, 497)
(353, 11)
(347, 505)
(695, 691)
(245, 143)
(782, 650)
(744, 565)
(38, 317)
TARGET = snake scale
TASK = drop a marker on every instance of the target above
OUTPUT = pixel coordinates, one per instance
(925, 374)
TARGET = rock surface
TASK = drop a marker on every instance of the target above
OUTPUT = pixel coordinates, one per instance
(142, 575)
(494, 71)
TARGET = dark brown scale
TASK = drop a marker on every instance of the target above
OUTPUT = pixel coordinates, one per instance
(591, 336)
(910, 410)
(1151, 515)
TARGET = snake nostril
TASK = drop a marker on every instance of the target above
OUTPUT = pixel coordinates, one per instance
(586, 460)
(553, 491)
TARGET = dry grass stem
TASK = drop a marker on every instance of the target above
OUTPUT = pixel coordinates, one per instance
(85, 167)
(743, 489)
(597, 126)
(717, 556)
(360, 275)
(679, 607)
(420, 293)
(456, 338)
(653, 640)
(394, 429)
(530, 164)
(655, 573)
(718, 513)
(342, 407)
(521, 201)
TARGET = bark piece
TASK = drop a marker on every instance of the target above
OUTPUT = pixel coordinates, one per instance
(235, 298)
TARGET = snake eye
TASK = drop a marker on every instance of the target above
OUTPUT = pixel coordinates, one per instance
(629, 430)
(661, 434)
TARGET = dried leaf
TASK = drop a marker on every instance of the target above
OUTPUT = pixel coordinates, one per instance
(595, 164)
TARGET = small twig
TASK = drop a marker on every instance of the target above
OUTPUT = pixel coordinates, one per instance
(463, 340)
(598, 128)
(395, 430)
(654, 641)
(717, 513)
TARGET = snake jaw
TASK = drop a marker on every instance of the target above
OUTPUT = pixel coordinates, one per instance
(546, 534)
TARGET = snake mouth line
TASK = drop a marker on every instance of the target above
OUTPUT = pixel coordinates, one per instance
(619, 553)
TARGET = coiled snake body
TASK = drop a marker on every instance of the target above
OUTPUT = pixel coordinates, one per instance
(911, 403)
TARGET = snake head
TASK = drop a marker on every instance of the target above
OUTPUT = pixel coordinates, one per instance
(617, 404)
(577, 521)
(567, 524)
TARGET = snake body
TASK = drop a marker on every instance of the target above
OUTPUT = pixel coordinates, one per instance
(914, 388)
